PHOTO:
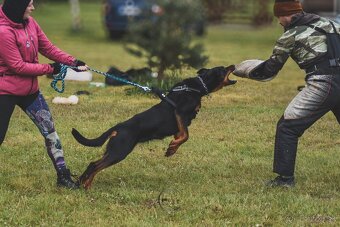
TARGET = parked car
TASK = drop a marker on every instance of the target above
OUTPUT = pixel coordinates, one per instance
(118, 13)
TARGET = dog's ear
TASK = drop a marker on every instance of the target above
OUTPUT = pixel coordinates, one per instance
(202, 71)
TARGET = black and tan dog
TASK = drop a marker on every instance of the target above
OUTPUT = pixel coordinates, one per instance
(170, 117)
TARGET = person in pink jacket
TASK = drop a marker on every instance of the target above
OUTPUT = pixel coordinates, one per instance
(21, 39)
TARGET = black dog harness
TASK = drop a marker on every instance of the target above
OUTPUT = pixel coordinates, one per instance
(163, 97)
(184, 87)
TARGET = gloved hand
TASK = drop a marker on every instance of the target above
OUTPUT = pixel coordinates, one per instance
(56, 67)
(81, 66)
(80, 63)
(245, 68)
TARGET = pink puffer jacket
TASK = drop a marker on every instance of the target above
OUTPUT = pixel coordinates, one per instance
(19, 47)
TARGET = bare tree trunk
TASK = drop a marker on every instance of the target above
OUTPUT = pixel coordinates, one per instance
(75, 12)
(161, 71)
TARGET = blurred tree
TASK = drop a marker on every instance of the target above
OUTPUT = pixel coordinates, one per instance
(166, 39)
(257, 12)
(75, 12)
(216, 9)
(263, 15)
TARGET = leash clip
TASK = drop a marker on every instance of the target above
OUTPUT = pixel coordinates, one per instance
(146, 89)
(163, 97)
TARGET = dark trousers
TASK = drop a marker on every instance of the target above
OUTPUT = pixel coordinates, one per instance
(7, 105)
(37, 109)
(321, 95)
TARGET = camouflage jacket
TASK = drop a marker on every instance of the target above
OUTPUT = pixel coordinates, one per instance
(303, 44)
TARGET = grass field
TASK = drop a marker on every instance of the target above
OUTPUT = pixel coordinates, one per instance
(215, 179)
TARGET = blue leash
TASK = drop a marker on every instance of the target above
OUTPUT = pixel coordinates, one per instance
(61, 77)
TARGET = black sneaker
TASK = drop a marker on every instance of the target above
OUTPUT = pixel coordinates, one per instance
(282, 181)
(64, 180)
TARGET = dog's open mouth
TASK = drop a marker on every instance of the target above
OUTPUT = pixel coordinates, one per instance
(228, 81)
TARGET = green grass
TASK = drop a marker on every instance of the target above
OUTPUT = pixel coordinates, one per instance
(215, 179)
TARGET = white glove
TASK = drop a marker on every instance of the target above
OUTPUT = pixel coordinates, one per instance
(244, 68)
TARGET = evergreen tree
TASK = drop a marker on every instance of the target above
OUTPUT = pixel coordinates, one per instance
(166, 39)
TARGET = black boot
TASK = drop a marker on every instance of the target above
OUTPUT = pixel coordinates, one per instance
(64, 180)
(282, 181)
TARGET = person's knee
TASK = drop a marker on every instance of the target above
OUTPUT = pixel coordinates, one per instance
(289, 127)
(52, 138)
(54, 146)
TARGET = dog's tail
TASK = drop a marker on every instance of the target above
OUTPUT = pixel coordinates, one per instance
(96, 142)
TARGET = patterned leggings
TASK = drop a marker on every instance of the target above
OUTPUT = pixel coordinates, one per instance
(37, 109)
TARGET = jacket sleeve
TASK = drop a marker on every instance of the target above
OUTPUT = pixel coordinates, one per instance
(282, 50)
(50, 51)
(10, 54)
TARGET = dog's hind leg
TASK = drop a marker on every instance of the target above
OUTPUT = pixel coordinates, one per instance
(94, 167)
(117, 149)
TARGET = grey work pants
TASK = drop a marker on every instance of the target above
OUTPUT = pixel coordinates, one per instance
(320, 95)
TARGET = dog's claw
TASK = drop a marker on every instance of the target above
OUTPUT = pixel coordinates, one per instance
(87, 185)
(167, 154)
(170, 152)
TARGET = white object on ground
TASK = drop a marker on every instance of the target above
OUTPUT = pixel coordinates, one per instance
(71, 100)
(97, 84)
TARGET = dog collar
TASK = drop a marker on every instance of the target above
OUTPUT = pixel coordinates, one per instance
(204, 85)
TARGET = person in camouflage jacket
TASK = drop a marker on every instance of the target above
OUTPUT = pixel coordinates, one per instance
(308, 48)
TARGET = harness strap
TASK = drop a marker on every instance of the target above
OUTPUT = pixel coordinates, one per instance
(334, 61)
(185, 88)
(317, 29)
(322, 68)
(163, 97)
(335, 31)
